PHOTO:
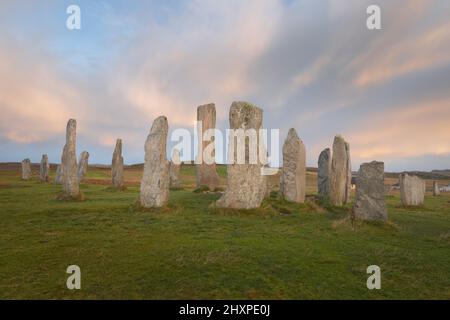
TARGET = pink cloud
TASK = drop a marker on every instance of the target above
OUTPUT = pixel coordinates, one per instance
(410, 131)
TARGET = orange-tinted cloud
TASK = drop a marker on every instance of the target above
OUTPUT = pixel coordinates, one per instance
(409, 131)
(311, 65)
(35, 99)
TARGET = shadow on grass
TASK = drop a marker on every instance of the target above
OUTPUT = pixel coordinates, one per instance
(176, 189)
(13, 186)
(205, 189)
(349, 222)
(274, 205)
(411, 208)
(334, 211)
(138, 208)
(261, 212)
(64, 197)
(115, 189)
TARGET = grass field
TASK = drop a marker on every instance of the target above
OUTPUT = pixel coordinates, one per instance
(193, 251)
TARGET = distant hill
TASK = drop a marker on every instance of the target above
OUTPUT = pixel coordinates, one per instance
(432, 175)
(445, 173)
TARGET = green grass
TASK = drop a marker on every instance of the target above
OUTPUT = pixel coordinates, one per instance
(192, 250)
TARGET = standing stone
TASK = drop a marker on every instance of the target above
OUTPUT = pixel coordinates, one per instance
(117, 166)
(370, 192)
(323, 173)
(340, 177)
(206, 174)
(155, 180)
(436, 190)
(273, 182)
(69, 162)
(83, 165)
(58, 176)
(26, 169)
(174, 169)
(44, 169)
(293, 178)
(246, 186)
(349, 174)
(412, 190)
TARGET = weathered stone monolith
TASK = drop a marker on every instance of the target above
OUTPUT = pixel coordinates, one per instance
(246, 186)
(349, 174)
(44, 169)
(323, 173)
(155, 179)
(340, 177)
(58, 176)
(117, 166)
(273, 182)
(174, 169)
(83, 165)
(412, 190)
(293, 177)
(436, 191)
(26, 169)
(69, 162)
(206, 174)
(370, 192)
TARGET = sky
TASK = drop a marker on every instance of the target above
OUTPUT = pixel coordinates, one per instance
(312, 65)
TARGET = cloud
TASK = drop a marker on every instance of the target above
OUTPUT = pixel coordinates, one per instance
(407, 131)
(428, 50)
(311, 65)
(35, 100)
(201, 55)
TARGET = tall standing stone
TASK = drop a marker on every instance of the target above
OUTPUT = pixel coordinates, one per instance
(44, 169)
(349, 174)
(174, 169)
(323, 173)
(293, 177)
(69, 162)
(58, 176)
(206, 174)
(370, 192)
(83, 165)
(412, 190)
(117, 166)
(436, 191)
(246, 186)
(340, 177)
(155, 179)
(26, 169)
